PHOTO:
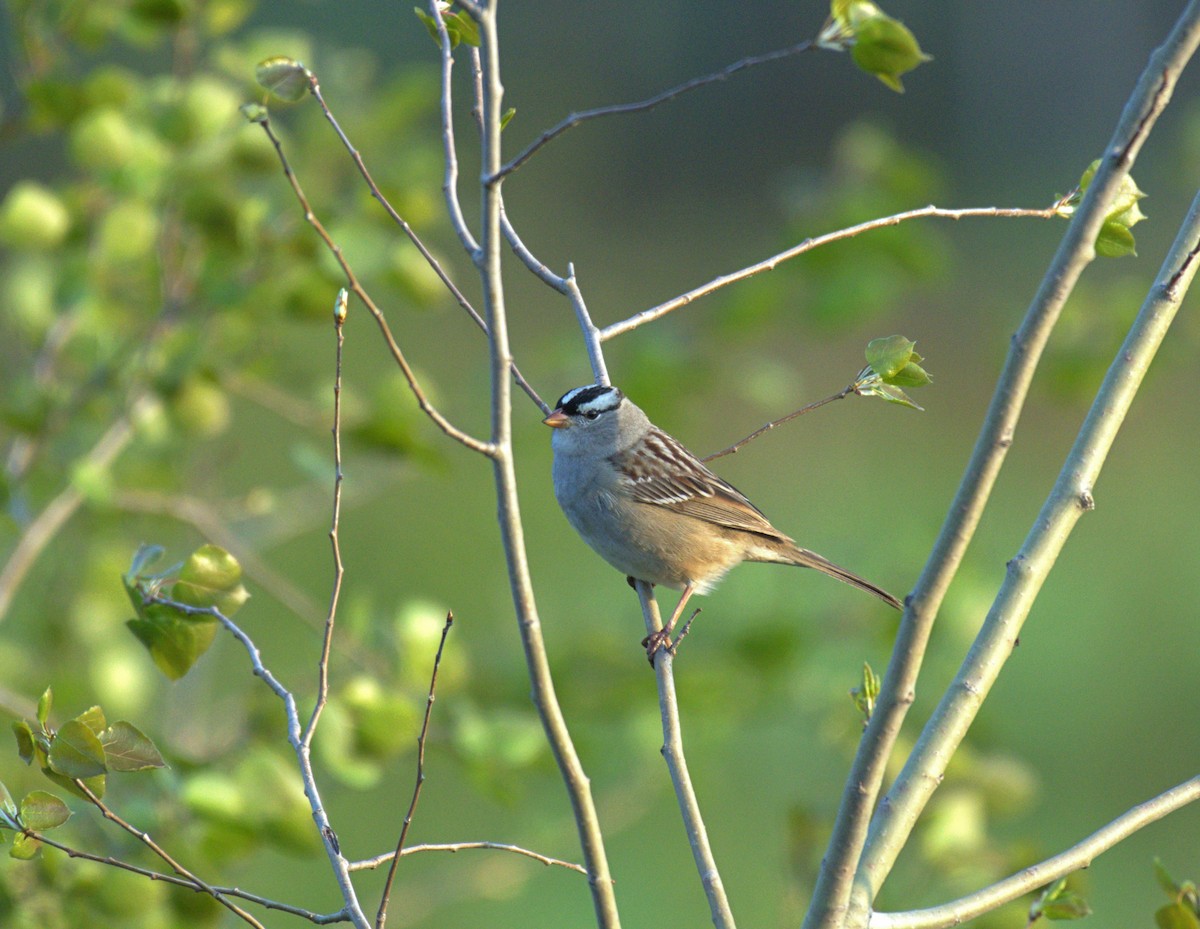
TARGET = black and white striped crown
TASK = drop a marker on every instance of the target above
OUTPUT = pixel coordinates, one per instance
(590, 400)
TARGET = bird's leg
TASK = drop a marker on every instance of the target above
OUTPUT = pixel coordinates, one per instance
(662, 637)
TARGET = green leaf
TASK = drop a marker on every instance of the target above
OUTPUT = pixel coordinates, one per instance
(24, 736)
(45, 702)
(254, 113)
(127, 748)
(1115, 241)
(211, 577)
(462, 24)
(175, 643)
(874, 387)
(94, 719)
(459, 26)
(1057, 902)
(75, 752)
(41, 810)
(1177, 915)
(887, 356)
(24, 847)
(885, 47)
(1165, 881)
(866, 693)
(892, 363)
(143, 558)
(283, 77)
(507, 117)
(95, 784)
(8, 806)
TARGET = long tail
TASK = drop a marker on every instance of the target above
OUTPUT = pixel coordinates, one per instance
(806, 559)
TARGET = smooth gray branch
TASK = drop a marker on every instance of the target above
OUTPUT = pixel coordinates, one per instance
(369, 864)
(508, 509)
(672, 751)
(770, 264)
(842, 866)
(1039, 875)
(640, 106)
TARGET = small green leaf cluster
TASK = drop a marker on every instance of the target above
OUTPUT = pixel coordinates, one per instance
(178, 609)
(892, 364)
(459, 26)
(879, 44)
(866, 693)
(1115, 239)
(1183, 912)
(77, 756)
(1058, 902)
(282, 77)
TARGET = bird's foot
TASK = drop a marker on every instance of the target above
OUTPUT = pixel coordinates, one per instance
(661, 639)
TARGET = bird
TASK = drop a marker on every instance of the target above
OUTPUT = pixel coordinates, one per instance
(654, 511)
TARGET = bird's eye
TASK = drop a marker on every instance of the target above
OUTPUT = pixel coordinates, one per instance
(592, 414)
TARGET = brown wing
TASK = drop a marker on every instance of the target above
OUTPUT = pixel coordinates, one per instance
(685, 486)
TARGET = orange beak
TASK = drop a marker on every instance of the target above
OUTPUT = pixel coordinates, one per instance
(557, 420)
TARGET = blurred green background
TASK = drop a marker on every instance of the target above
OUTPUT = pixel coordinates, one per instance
(153, 251)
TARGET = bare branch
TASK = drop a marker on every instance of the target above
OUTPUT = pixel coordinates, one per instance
(320, 919)
(357, 289)
(574, 119)
(175, 866)
(303, 757)
(770, 264)
(1069, 499)
(672, 750)
(816, 405)
(449, 187)
(339, 570)
(381, 917)
(842, 866)
(1080, 855)
(508, 509)
(369, 864)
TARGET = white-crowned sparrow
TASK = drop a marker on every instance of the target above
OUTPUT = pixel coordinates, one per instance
(652, 510)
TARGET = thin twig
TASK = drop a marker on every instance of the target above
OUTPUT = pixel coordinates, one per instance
(831, 897)
(1078, 856)
(816, 405)
(455, 215)
(339, 570)
(339, 864)
(381, 917)
(769, 264)
(672, 751)
(175, 866)
(319, 919)
(558, 736)
(369, 864)
(574, 119)
(357, 289)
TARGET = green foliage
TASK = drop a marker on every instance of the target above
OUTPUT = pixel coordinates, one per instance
(284, 78)
(1115, 239)
(459, 26)
(892, 364)
(80, 753)
(177, 609)
(866, 693)
(1058, 902)
(879, 44)
(1183, 912)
